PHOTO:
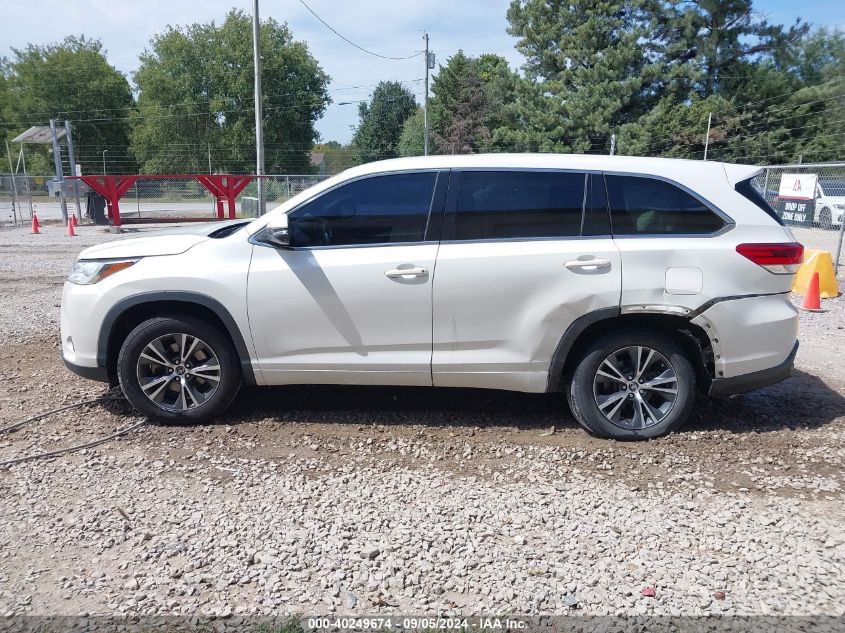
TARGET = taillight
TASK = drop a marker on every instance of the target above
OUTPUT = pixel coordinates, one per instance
(780, 258)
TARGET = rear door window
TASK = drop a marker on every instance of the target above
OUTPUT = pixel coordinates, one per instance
(518, 204)
(647, 206)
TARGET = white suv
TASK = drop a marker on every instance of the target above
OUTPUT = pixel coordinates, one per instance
(627, 283)
(830, 203)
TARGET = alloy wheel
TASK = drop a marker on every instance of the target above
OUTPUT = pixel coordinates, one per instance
(825, 219)
(635, 387)
(178, 372)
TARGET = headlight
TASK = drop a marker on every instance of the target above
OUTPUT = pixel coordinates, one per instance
(92, 271)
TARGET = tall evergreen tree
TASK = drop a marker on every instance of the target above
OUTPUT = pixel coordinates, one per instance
(594, 65)
(719, 35)
(467, 106)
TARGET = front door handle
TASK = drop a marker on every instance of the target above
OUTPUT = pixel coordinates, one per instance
(406, 273)
(588, 265)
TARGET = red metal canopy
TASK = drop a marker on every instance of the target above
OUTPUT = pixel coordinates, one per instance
(221, 186)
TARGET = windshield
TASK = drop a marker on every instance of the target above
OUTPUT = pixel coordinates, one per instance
(832, 188)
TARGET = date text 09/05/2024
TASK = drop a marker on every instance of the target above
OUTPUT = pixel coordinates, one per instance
(418, 623)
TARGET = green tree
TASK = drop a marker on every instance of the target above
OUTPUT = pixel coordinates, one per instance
(719, 35)
(678, 130)
(338, 156)
(803, 119)
(196, 96)
(382, 120)
(72, 80)
(783, 105)
(468, 98)
(412, 141)
(593, 63)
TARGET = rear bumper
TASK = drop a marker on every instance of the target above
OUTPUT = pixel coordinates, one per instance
(754, 380)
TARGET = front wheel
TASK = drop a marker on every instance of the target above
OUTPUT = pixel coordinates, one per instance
(826, 219)
(632, 385)
(178, 369)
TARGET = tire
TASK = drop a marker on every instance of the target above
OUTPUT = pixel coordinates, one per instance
(825, 219)
(662, 412)
(181, 388)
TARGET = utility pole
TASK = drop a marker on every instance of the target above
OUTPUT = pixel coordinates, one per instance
(613, 144)
(57, 162)
(259, 131)
(72, 161)
(429, 65)
(707, 136)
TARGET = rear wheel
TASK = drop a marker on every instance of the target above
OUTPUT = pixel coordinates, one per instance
(178, 369)
(632, 385)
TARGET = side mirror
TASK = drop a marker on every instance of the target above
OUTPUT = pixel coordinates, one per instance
(278, 233)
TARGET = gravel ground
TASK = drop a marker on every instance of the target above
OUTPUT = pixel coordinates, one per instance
(377, 500)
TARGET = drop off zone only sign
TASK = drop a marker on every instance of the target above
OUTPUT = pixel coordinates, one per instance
(797, 199)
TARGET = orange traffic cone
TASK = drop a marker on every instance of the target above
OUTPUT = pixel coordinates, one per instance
(70, 231)
(812, 300)
(35, 230)
(73, 219)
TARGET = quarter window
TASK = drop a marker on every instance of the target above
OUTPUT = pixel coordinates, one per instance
(518, 204)
(651, 206)
(387, 209)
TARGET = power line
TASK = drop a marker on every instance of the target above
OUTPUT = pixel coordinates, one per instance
(63, 113)
(348, 41)
(745, 106)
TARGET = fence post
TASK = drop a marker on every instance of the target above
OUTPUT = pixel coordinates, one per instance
(766, 187)
(839, 245)
(57, 161)
(72, 160)
(14, 188)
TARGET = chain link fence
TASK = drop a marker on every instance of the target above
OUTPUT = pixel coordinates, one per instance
(16, 195)
(186, 197)
(812, 205)
(153, 200)
(148, 199)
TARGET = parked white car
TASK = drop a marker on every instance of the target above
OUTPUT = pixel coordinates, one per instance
(630, 284)
(830, 204)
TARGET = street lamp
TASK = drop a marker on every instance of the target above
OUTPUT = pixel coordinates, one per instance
(104, 161)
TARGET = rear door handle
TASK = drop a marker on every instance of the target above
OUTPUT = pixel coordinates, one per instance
(406, 273)
(588, 265)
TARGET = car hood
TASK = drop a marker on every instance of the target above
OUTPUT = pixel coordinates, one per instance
(172, 241)
(833, 199)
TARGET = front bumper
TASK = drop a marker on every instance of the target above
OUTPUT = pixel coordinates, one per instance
(80, 327)
(91, 373)
(754, 380)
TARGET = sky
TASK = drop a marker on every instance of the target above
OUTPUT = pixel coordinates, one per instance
(389, 27)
